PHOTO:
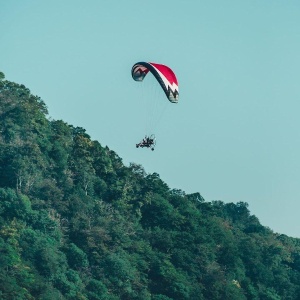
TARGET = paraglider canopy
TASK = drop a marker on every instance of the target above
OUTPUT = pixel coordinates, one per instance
(163, 74)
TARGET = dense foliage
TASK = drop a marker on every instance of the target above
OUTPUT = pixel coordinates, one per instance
(76, 223)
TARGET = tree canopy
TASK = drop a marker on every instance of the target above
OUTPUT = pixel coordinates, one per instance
(76, 223)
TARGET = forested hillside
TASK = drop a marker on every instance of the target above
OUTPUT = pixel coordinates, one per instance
(76, 223)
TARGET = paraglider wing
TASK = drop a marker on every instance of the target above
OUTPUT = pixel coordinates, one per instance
(163, 74)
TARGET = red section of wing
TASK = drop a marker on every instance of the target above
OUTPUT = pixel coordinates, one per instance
(167, 72)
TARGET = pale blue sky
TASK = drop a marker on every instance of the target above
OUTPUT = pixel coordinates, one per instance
(234, 136)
